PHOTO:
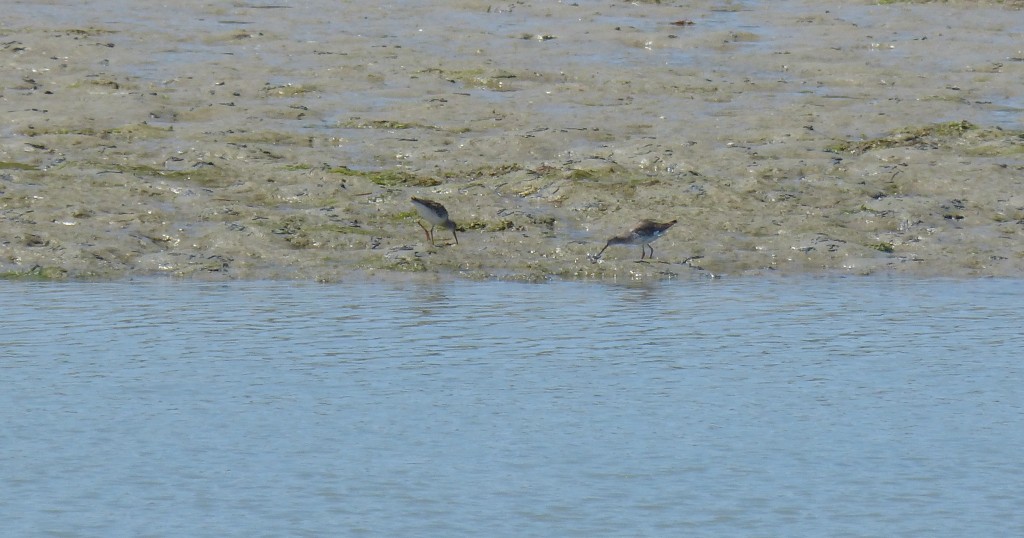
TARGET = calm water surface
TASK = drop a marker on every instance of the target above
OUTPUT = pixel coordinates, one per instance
(809, 407)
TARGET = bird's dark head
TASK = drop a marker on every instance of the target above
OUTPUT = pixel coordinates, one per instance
(450, 224)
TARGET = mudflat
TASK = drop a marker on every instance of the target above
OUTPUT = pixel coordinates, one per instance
(267, 141)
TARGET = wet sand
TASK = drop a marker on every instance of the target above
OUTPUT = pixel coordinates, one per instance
(274, 141)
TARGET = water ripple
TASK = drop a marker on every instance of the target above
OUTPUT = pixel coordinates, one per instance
(857, 406)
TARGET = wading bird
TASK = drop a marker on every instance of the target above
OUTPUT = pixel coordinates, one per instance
(642, 234)
(435, 214)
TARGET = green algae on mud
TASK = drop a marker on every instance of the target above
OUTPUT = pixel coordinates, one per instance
(915, 136)
(497, 80)
(388, 178)
(8, 165)
(37, 273)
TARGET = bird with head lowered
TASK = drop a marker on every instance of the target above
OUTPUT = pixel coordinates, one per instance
(642, 234)
(436, 215)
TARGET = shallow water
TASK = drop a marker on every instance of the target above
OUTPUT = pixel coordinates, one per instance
(838, 407)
